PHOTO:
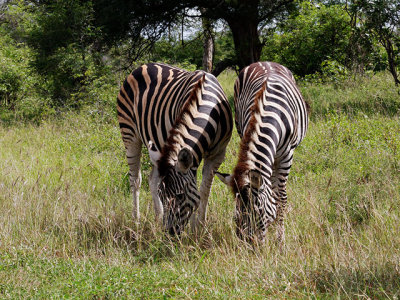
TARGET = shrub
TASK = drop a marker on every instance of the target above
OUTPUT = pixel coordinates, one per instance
(315, 34)
(21, 89)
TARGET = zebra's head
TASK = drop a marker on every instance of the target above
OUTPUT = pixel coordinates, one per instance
(251, 195)
(177, 191)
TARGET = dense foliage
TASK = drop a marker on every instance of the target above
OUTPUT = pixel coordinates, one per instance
(311, 37)
(381, 18)
(61, 55)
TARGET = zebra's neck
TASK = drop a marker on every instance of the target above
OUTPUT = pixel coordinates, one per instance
(179, 136)
(249, 158)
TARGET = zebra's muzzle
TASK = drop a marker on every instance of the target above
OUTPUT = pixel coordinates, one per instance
(172, 225)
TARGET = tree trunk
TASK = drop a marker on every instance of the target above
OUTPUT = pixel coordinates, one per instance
(246, 39)
(208, 43)
(391, 59)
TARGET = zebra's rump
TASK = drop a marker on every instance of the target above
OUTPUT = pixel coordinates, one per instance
(270, 115)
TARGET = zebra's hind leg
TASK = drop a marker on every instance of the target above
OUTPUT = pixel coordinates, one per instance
(133, 155)
(211, 164)
(279, 179)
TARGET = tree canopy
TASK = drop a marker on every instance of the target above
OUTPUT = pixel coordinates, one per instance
(381, 18)
(59, 50)
(151, 17)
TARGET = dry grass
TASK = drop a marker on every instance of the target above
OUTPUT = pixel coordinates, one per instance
(66, 231)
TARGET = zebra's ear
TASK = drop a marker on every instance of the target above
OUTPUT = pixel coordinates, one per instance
(225, 178)
(255, 179)
(185, 160)
(154, 153)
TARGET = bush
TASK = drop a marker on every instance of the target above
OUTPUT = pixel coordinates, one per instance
(10, 83)
(47, 67)
(22, 91)
(315, 34)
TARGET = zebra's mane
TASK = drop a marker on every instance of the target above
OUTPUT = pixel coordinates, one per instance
(169, 152)
(243, 167)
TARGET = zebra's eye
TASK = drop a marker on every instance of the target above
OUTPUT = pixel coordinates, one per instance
(180, 196)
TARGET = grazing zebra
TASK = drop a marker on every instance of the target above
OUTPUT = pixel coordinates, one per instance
(181, 117)
(271, 119)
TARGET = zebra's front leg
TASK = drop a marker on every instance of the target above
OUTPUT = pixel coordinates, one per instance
(211, 164)
(281, 173)
(280, 218)
(133, 154)
(154, 181)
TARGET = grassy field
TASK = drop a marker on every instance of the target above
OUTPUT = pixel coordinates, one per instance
(66, 230)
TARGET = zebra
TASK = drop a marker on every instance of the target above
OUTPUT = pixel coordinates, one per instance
(271, 118)
(181, 117)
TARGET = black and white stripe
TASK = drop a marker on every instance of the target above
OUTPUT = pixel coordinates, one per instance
(182, 118)
(271, 118)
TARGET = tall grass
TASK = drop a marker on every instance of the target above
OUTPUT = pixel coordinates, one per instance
(360, 95)
(66, 228)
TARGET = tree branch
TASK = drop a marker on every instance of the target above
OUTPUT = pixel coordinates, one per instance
(222, 65)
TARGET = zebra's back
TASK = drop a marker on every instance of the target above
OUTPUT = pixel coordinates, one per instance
(150, 99)
(266, 93)
(154, 99)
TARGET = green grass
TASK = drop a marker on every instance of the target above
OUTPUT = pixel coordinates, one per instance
(66, 230)
(362, 95)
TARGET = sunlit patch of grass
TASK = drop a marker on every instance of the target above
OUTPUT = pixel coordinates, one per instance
(227, 79)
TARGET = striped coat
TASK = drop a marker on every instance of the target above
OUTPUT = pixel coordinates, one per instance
(182, 118)
(271, 119)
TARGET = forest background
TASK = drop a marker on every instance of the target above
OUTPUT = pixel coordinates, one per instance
(59, 55)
